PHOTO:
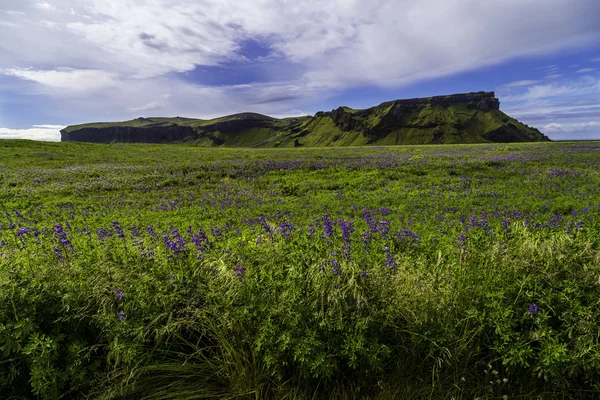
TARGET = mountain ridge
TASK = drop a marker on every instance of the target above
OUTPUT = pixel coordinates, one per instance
(458, 118)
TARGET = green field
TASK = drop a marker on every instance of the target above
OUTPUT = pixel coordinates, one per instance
(139, 271)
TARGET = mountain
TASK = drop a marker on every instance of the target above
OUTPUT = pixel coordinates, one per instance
(458, 118)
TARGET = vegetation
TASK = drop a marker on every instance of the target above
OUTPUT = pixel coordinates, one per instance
(444, 119)
(134, 271)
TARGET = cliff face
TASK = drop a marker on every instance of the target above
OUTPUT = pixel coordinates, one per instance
(127, 134)
(459, 118)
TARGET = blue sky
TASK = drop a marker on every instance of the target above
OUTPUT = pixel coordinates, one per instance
(65, 62)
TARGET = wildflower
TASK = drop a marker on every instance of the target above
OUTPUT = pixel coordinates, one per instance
(23, 231)
(102, 233)
(533, 310)
(119, 294)
(347, 229)
(121, 315)
(327, 225)
(118, 229)
(58, 253)
(384, 229)
(389, 259)
(364, 274)
(240, 272)
(346, 251)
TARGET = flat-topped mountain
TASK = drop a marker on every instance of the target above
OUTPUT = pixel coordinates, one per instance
(458, 118)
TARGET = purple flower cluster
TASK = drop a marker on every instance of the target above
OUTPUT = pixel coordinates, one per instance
(201, 242)
(407, 234)
(176, 243)
(389, 258)
(119, 295)
(240, 272)
(118, 229)
(328, 226)
(61, 235)
(533, 310)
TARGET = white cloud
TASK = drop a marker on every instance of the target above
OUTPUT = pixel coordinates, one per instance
(585, 85)
(520, 83)
(153, 105)
(44, 5)
(591, 126)
(76, 80)
(595, 59)
(583, 70)
(48, 133)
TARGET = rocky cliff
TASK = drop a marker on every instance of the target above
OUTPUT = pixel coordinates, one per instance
(459, 118)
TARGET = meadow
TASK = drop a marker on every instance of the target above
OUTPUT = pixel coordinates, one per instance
(132, 271)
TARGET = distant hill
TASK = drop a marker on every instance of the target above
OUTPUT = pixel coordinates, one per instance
(458, 118)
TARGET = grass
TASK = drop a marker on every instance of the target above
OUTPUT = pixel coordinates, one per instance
(171, 271)
(390, 123)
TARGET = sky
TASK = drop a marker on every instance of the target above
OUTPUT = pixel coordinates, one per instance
(66, 62)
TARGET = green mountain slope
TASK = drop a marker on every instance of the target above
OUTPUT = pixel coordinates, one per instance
(460, 118)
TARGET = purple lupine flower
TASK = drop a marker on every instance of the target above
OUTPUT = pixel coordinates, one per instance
(366, 239)
(23, 231)
(135, 232)
(61, 235)
(407, 234)
(118, 229)
(389, 258)
(311, 229)
(240, 272)
(119, 294)
(175, 244)
(102, 234)
(58, 229)
(533, 310)
(58, 253)
(336, 267)
(265, 225)
(327, 225)
(286, 228)
(201, 242)
(384, 229)
(121, 315)
(346, 251)
(473, 221)
(347, 230)
(364, 274)
(150, 230)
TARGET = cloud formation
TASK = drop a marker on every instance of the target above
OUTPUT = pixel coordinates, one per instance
(47, 133)
(115, 59)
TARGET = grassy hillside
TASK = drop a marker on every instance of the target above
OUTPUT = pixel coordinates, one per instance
(463, 118)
